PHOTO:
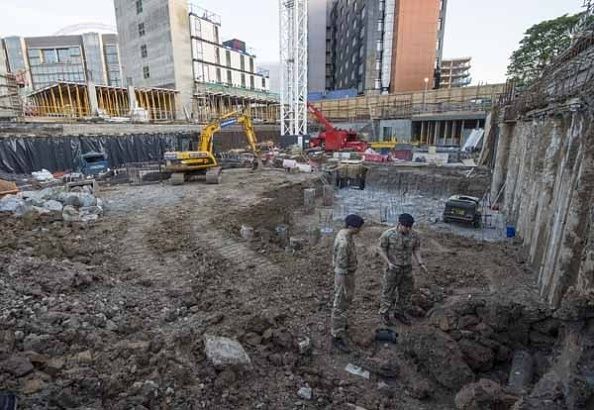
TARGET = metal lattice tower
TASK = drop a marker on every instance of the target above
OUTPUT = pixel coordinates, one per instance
(293, 56)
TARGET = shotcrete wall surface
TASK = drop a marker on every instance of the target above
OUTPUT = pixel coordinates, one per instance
(548, 187)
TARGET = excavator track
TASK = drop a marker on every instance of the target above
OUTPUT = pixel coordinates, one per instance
(213, 175)
(177, 178)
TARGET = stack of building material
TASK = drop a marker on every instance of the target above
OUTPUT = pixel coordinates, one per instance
(7, 188)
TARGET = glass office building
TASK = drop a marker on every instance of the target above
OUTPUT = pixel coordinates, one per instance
(43, 61)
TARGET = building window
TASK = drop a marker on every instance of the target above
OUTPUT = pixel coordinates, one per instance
(218, 55)
(242, 62)
(216, 34)
(141, 29)
(243, 80)
(263, 82)
(228, 57)
(229, 77)
(252, 84)
(138, 6)
(143, 52)
(145, 72)
(49, 56)
(63, 55)
(251, 65)
(219, 80)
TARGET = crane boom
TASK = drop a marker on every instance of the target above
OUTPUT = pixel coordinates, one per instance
(321, 118)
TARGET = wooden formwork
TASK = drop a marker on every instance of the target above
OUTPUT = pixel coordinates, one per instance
(72, 100)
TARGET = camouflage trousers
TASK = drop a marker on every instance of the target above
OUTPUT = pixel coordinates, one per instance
(397, 288)
(344, 290)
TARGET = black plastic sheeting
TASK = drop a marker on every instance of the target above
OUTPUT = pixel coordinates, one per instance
(23, 155)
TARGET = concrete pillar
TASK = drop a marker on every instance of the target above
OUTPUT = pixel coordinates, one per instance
(501, 160)
(328, 195)
(93, 102)
(462, 132)
(446, 133)
(309, 199)
(422, 131)
(435, 128)
(454, 132)
(132, 98)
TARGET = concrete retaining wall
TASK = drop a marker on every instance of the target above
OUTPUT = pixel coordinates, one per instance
(546, 169)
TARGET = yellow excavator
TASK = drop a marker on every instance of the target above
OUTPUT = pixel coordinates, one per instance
(186, 164)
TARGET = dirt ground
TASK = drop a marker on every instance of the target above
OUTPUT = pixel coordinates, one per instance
(113, 314)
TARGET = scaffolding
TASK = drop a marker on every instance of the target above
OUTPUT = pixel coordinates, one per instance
(408, 105)
(10, 101)
(293, 57)
(211, 101)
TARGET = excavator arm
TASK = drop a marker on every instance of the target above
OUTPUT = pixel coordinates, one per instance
(207, 134)
(184, 163)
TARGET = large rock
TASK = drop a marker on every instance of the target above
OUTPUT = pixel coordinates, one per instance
(17, 365)
(78, 199)
(546, 395)
(53, 205)
(440, 355)
(484, 394)
(12, 203)
(71, 214)
(223, 352)
(478, 357)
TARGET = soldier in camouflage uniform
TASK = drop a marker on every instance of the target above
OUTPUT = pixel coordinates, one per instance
(344, 259)
(397, 248)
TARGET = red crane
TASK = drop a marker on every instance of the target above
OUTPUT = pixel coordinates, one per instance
(334, 139)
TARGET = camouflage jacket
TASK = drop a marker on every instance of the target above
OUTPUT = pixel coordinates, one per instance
(399, 247)
(344, 256)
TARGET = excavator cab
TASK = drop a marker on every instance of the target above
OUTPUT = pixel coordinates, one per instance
(183, 165)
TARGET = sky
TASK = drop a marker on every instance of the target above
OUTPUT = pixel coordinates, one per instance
(486, 30)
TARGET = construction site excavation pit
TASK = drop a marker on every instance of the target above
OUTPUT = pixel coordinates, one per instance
(423, 192)
(141, 308)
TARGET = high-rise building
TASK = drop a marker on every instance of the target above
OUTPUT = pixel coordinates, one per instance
(173, 44)
(455, 72)
(377, 46)
(41, 61)
(317, 38)
(419, 28)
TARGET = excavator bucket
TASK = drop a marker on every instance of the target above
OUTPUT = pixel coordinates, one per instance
(257, 165)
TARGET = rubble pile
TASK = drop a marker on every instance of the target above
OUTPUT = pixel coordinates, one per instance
(56, 203)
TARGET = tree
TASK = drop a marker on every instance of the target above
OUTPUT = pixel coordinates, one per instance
(540, 45)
